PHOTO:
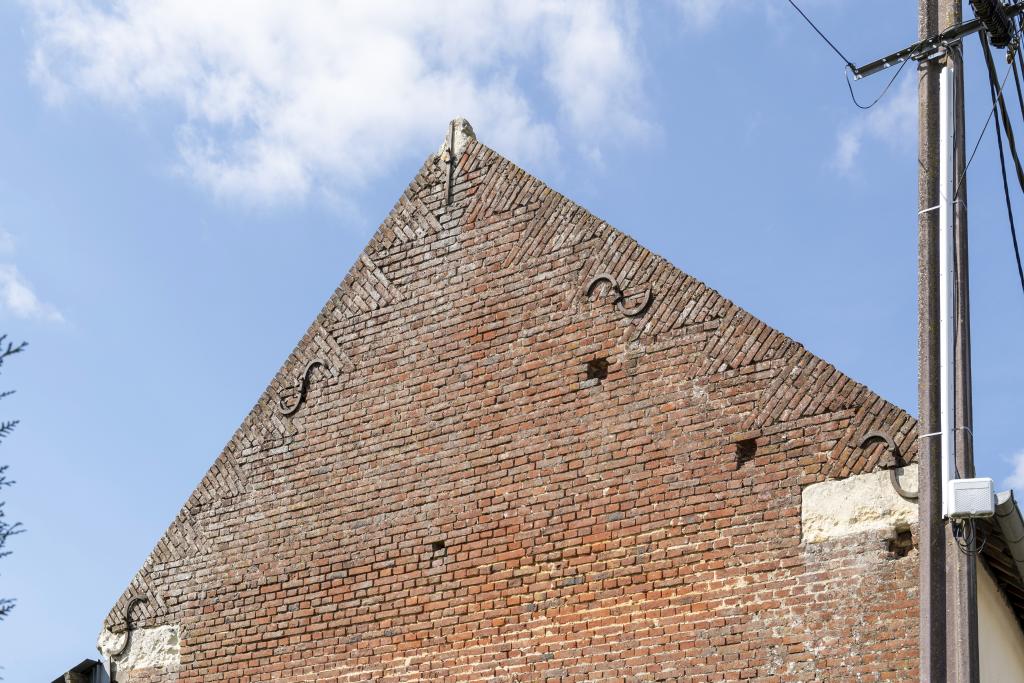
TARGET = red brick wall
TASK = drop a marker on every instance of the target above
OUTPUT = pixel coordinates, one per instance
(591, 530)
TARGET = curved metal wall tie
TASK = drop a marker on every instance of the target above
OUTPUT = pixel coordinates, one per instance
(449, 159)
(301, 386)
(128, 624)
(605, 277)
(890, 444)
(620, 297)
(639, 309)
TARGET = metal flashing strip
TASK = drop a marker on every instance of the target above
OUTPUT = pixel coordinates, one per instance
(1003, 552)
(1011, 526)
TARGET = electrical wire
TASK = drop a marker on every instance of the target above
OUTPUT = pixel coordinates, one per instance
(823, 36)
(1006, 190)
(1015, 58)
(850, 65)
(1008, 128)
(965, 535)
(981, 135)
(992, 111)
(849, 85)
(1016, 81)
(1017, 50)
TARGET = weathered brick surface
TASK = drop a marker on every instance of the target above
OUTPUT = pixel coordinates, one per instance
(455, 500)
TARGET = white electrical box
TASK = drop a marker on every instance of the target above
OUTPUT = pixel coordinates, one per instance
(971, 498)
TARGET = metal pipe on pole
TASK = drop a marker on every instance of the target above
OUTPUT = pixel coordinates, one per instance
(947, 274)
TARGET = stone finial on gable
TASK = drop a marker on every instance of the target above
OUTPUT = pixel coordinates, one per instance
(455, 140)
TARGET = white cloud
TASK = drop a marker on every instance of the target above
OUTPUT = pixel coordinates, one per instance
(17, 297)
(893, 121)
(701, 14)
(278, 100)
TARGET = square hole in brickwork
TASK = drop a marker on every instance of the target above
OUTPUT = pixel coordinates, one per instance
(437, 546)
(901, 544)
(746, 449)
(597, 369)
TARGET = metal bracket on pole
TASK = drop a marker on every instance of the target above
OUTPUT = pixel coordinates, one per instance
(947, 310)
(923, 50)
(937, 53)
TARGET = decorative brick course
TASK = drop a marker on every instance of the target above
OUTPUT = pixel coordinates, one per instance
(455, 500)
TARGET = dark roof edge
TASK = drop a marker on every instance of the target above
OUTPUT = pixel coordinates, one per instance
(1008, 526)
(85, 666)
(1011, 527)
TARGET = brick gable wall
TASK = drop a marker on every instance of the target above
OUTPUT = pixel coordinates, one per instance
(454, 499)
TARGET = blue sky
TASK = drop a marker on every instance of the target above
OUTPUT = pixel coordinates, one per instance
(182, 185)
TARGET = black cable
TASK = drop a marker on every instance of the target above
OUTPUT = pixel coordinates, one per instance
(992, 111)
(1008, 128)
(965, 535)
(1006, 190)
(1013, 228)
(823, 36)
(849, 85)
(1016, 81)
(1017, 51)
(977, 144)
(1006, 184)
(850, 65)
(981, 136)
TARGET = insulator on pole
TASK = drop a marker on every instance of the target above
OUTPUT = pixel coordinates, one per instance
(993, 14)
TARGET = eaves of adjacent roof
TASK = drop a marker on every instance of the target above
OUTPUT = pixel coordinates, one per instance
(1003, 552)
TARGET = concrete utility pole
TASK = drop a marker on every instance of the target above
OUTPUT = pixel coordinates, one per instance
(962, 590)
(949, 618)
(932, 541)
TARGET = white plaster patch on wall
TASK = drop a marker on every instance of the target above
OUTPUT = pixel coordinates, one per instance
(158, 647)
(862, 502)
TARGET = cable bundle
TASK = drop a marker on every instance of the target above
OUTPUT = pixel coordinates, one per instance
(993, 14)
